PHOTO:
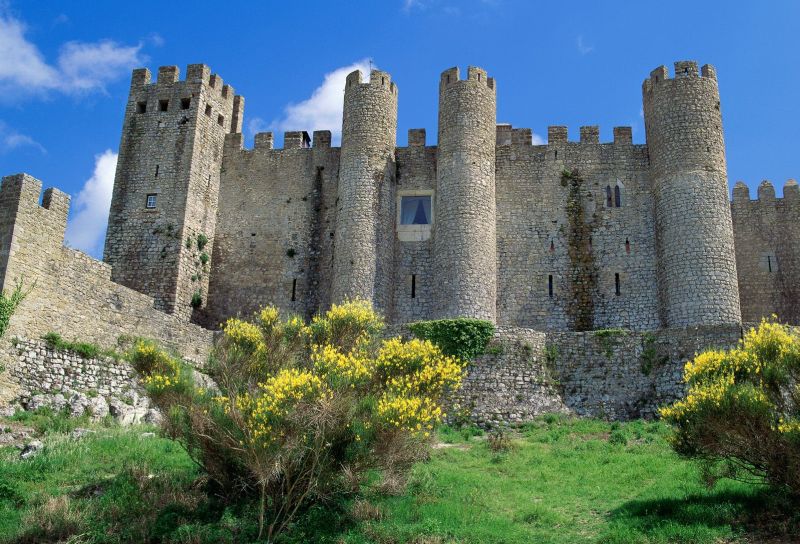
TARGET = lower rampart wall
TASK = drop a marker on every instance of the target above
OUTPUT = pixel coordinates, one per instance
(614, 373)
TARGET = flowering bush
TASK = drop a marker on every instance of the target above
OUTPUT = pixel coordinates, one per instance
(742, 411)
(303, 410)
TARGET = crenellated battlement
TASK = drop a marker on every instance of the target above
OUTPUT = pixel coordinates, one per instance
(766, 193)
(197, 76)
(378, 80)
(682, 70)
(507, 135)
(25, 191)
(294, 139)
(451, 77)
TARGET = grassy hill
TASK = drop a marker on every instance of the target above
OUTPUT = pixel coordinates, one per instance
(557, 480)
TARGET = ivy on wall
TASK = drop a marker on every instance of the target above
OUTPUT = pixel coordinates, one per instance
(463, 338)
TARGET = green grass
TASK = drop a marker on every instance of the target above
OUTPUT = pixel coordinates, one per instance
(561, 481)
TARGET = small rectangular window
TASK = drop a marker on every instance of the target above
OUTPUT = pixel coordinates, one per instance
(156, 171)
(208, 110)
(550, 285)
(141, 107)
(413, 286)
(186, 103)
(616, 284)
(415, 210)
(163, 105)
(221, 120)
(294, 289)
(151, 201)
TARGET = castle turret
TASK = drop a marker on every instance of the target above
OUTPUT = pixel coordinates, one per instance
(366, 173)
(464, 214)
(696, 268)
(163, 210)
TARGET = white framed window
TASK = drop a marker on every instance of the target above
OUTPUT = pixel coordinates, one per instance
(414, 215)
(150, 203)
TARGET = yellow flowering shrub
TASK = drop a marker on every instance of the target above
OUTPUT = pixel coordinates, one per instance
(161, 371)
(742, 407)
(303, 406)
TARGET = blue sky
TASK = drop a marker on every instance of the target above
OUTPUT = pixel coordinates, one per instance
(65, 66)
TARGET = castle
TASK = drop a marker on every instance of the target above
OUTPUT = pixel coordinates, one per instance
(546, 241)
(563, 236)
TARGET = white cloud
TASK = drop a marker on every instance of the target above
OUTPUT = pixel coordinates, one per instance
(537, 139)
(10, 139)
(583, 49)
(322, 110)
(80, 67)
(87, 226)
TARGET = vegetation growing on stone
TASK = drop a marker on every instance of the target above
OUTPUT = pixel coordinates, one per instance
(462, 338)
(87, 350)
(9, 303)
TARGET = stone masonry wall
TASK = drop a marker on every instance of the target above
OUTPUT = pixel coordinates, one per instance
(696, 265)
(363, 245)
(413, 260)
(609, 373)
(276, 228)
(767, 235)
(39, 369)
(171, 147)
(533, 230)
(71, 293)
(464, 231)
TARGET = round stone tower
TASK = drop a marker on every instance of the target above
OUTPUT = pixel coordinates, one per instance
(696, 268)
(464, 212)
(366, 169)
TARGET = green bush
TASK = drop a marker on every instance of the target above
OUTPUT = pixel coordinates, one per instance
(9, 303)
(197, 299)
(86, 350)
(462, 338)
(741, 416)
(202, 240)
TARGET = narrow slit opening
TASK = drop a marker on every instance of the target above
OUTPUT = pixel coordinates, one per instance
(294, 289)
(413, 286)
(616, 284)
(550, 285)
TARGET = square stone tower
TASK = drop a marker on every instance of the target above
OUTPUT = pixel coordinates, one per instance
(163, 210)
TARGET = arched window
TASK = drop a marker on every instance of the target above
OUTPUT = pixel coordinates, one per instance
(618, 188)
(609, 202)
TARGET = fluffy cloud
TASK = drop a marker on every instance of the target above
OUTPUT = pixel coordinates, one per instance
(322, 110)
(79, 68)
(87, 227)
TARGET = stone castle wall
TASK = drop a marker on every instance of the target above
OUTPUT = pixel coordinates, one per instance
(71, 293)
(568, 232)
(275, 243)
(614, 374)
(767, 235)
